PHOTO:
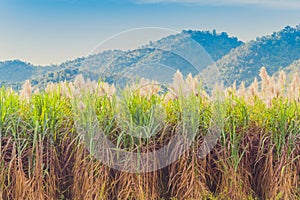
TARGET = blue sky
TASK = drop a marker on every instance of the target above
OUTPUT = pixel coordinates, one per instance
(52, 31)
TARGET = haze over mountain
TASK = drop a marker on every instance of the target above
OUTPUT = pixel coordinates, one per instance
(168, 51)
(189, 51)
(275, 52)
(293, 68)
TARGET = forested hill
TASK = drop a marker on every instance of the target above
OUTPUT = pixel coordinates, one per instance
(216, 45)
(275, 52)
(237, 61)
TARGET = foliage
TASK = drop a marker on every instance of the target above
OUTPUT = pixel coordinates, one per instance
(109, 65)
(275, 52)
(43, 155)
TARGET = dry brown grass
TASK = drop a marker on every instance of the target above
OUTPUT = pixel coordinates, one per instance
(257, 156)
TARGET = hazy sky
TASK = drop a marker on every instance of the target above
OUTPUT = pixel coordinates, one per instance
(52, 31)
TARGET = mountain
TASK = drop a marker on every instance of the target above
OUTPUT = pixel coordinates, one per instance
(216, 45)
(90, 66)
(15, 71)
(275, 52)
(189, 51)
(293, 69)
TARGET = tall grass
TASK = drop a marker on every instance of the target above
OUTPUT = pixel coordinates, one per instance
(43, 154)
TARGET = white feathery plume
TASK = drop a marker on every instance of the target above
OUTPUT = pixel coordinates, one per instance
(242, 90)
(192, 83)
(265, 79)
(26, 90)
(79, 81)
(179, 85)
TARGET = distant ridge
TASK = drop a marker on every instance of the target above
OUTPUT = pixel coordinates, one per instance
(236, 60)
(274, 52)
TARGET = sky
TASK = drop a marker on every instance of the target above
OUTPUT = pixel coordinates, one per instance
(45, 32)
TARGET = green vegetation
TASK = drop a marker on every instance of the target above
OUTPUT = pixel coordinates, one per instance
(237, 61)
(14, 73)
(275, 52)
(43, 156)
(216, 44)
